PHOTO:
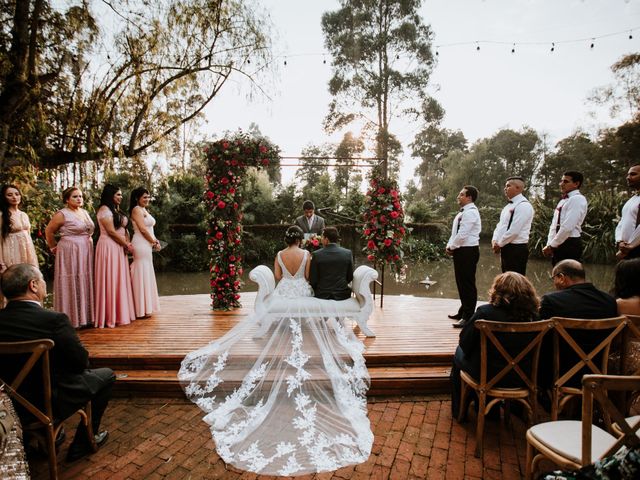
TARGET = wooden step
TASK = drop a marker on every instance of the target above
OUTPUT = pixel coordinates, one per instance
(396, 380)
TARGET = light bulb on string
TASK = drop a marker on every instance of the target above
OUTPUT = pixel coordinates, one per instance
(285, 62)
(593, 43)
(553, 47)
(513, 49)
(630, 34)
(477, 47)
(437, 53)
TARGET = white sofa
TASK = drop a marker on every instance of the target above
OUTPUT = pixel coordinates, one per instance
(358, 307)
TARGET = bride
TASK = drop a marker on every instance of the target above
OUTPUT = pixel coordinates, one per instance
(293, 401)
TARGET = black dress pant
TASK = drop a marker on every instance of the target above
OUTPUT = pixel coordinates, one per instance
(465, 261)
(570, 249)
(513, 257)
(635, 253)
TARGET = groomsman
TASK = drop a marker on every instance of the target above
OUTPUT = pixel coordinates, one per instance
(564, 240)
(511, 236)
(628, 230)
(310, 222)
(463, 245)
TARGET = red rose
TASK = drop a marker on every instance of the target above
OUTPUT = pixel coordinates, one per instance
(371, 258)
(394, 193)
(383, 219)
(221, 204)
(210, 241)
(210, 194)
(236, 296)
(235, 206)
(262, 149)
(237, 241)
(232, 190)
(387, 242)
(225, 145)
(315, 242)
(224, 180)
(232, 258)
(394, 214)
(265, 161)
(219, 235)
(381, 190)
(220, 296)
(371, 245)
(367, 231)
(234, 162)
(401, 230)
(396, 257)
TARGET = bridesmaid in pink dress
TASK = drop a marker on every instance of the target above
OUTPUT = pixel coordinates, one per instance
(73, 274)
(113, 295)
(143, 278)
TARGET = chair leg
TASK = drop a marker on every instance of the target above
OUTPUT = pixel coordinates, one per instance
(463, 407)
(51, 452)
(88, 419)
(482, 400)
(528, 468)
(554, 404)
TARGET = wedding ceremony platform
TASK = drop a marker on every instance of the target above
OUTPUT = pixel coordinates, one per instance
(411, 353)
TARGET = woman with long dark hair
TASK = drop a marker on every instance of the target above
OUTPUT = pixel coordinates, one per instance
(143, 278)
(113, 294)
(73, 274)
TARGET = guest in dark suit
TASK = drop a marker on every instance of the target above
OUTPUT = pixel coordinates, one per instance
(331, 268)
(73, 384)
(574, 298)
(310, 222)
(512, 298)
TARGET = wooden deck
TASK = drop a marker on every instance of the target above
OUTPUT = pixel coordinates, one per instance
(411, 353)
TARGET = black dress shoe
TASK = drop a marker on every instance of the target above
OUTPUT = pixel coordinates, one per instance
(459, 324)
(457, 316)
(77, 450)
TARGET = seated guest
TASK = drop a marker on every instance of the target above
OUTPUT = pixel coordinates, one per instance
(72, 383)
(574, 296)
(627, 287)
(512, 298)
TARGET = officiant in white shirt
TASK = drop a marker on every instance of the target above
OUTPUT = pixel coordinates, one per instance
(310, 222)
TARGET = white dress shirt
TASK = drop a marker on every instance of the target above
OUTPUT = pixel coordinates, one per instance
(572, 211)
(518, 213)
(627, 230)
(465, 231)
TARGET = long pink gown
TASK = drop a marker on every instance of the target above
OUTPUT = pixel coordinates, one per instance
(143, 278)
(17, 247)
(73, 279)
(113, 295)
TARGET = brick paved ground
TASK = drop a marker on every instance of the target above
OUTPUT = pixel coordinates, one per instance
(414, 439)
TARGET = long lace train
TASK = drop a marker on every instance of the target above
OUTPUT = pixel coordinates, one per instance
(290, 403)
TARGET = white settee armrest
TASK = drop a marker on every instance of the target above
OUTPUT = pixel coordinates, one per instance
(263, 276)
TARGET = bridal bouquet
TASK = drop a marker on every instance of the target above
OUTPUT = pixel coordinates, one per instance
(312, 243)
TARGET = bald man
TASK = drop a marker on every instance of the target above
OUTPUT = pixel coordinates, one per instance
(511, 235)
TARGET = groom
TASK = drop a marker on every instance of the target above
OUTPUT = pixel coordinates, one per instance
(331, 268)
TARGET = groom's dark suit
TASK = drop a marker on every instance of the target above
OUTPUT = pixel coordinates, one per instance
(73, 384)
(331, 271)
(316, 227)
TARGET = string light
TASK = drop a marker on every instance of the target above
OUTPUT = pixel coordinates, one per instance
(593, 44)
(513, 49)
(553, 47)
(477, 46)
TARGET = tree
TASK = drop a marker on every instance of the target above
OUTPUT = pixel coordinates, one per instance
(64, 99)
(382, 62)
(314, 165)
(623, 96)
(348, 148)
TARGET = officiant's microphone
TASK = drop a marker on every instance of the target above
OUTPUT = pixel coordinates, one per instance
(329, 211)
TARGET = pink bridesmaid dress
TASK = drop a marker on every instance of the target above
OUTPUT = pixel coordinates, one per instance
(143, 278)
(113, 295)
(73, 279)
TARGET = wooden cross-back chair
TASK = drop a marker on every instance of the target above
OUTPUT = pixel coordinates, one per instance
(598, 332)
(573, 444)
(488, 386)
(38, 351)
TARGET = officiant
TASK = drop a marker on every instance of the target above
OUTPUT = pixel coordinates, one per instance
(310, 222)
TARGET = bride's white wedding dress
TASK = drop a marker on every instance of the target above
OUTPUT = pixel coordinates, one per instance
(292, 402)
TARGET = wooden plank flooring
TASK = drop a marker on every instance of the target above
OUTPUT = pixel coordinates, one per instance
(412, 350)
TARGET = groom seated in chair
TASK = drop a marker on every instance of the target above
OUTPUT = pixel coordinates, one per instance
(331, 268)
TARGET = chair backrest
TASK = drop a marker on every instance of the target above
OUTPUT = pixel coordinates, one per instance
(263, 276)
(361, 284)
(631, 334)
(598, 386)
(34, 351)
(518, 344)
(585, 344)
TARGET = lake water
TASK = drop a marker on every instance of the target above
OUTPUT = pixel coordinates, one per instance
(441, 271)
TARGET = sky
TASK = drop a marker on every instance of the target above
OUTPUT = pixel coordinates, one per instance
(481, 91)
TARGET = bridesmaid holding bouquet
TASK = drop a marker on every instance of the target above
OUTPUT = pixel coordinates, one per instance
(143, 278)
(73, 274)
(113, 295)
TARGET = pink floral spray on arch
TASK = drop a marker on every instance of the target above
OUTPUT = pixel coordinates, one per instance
(384, 227)
(227, 161)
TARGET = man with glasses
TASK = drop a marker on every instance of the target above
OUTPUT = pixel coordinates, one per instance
(574, 296)
(73, 384)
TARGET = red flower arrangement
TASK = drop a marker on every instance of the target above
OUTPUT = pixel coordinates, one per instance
(384, 226)
(227, 161)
